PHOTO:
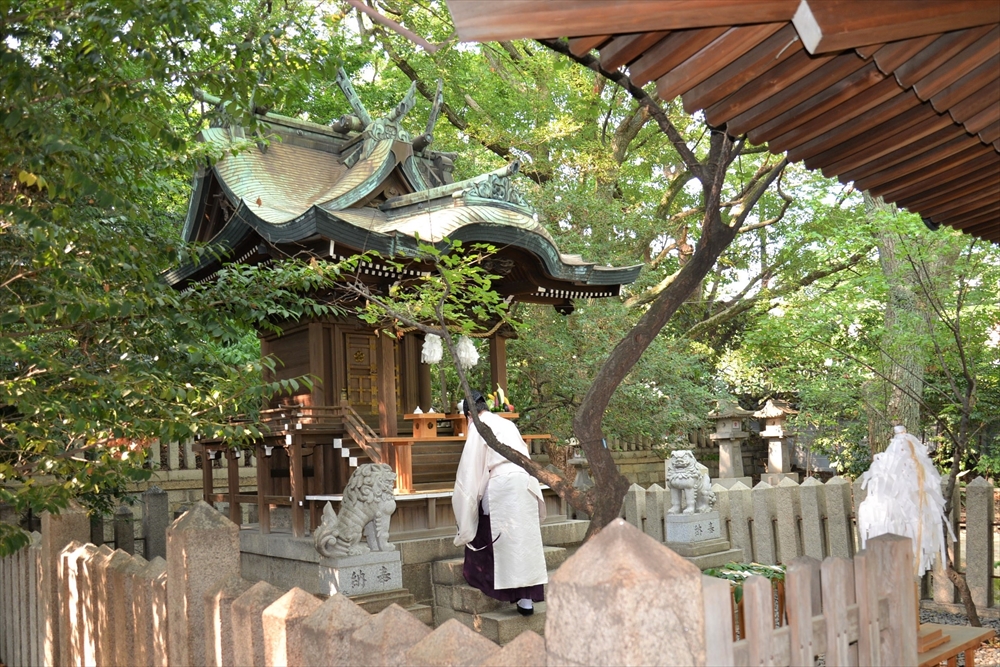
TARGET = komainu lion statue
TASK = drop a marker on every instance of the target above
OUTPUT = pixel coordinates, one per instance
(688, 481)
(364, 512)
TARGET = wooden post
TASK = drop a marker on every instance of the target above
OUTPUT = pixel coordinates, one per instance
(233, 470)
(263, 489)
(404, 466)
(297, 483)
(317, 364)
(386, 361)
(208, 484)
(498, 363)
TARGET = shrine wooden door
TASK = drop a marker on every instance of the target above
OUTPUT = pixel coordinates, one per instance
(362, 372)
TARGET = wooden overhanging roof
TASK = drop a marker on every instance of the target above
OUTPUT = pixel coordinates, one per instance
(368, 185)
(902, 97)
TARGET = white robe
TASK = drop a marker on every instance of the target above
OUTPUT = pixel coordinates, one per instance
(513, 501)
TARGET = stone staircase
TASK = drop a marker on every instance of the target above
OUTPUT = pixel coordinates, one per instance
(373, 603)
(498, 621)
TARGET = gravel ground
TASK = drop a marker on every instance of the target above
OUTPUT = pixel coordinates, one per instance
(986, 656)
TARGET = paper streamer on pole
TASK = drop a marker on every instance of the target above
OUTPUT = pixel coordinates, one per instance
(904, 498)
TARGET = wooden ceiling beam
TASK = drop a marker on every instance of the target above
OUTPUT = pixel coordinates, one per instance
(829, 99)
(798, 65)
(894, 54)
(982, 161)
(907, 153)
(953, 189)
(991, 134)
(935, 157)
(809, 86)
(928, 163)
(769, 53)
(880, 93)
(985, 99)
(967, 85)
(670, 52)
(986, 117)
(894, 106)
(940, 51)
(623, 49)
(489, 20)
(884, 132)
(970, 58)
(983, 224)
(581, 46)
(834, 25)
(981, 207)
(867, 52)
(984, 194)
(725, 49)
(929, 132)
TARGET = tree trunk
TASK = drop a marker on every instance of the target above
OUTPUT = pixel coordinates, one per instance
(895, 399)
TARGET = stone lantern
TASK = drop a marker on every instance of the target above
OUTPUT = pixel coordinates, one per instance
(730, 434)
(779, 440)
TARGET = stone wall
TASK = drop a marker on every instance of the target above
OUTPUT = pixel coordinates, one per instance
(110, 608)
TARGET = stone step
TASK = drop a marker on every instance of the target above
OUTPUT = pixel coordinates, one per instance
(500, 626)
(373, 603)
(423, 612)
(449, 572)
(464, 598)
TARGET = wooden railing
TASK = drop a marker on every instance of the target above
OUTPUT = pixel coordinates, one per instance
(362, 433)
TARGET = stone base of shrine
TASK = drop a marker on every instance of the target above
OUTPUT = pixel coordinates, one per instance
(709, 553)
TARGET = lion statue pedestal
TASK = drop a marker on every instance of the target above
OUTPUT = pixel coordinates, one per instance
(356, 556)
(693, 529)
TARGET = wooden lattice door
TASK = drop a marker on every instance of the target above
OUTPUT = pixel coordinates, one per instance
(362, 373)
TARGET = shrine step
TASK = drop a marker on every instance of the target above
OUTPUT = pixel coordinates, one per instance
(449, 572)
(373, 603)
(500, 626)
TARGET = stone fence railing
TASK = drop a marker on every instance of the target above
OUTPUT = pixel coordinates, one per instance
(622, 599)
(818, 520)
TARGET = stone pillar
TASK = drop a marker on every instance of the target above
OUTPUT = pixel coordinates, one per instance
(161, 618)
(124, 532)
(787, 509)
(812, 520)
(325, 634)
(35, 600)
(189, 459)
(461, 644)
(202, 547)
(68, 618)
(57, 531)
(279, 619)
(634, 506)
(730, 459)
(120, 574)
(836, 502)
(655, 509)
(155, 520)
(979, 509)
(100, 604)
(762, 497)
(173, 456)
(944, 590)
(386, 637)
(143, 610)
(621, 572)
(740, 511)
(248, 625)
(87, 582)
(219, 621)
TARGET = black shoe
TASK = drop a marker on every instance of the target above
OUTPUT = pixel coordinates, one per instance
(525, 612)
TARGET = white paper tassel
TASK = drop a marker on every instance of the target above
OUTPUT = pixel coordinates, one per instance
(432, 351)
(466, 352)
(904, 498)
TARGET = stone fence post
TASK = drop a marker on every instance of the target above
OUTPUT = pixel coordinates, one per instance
(203, 547)
(155, 520)
(58, 530)
(979, 509)
(617, 570)
(124, 530)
